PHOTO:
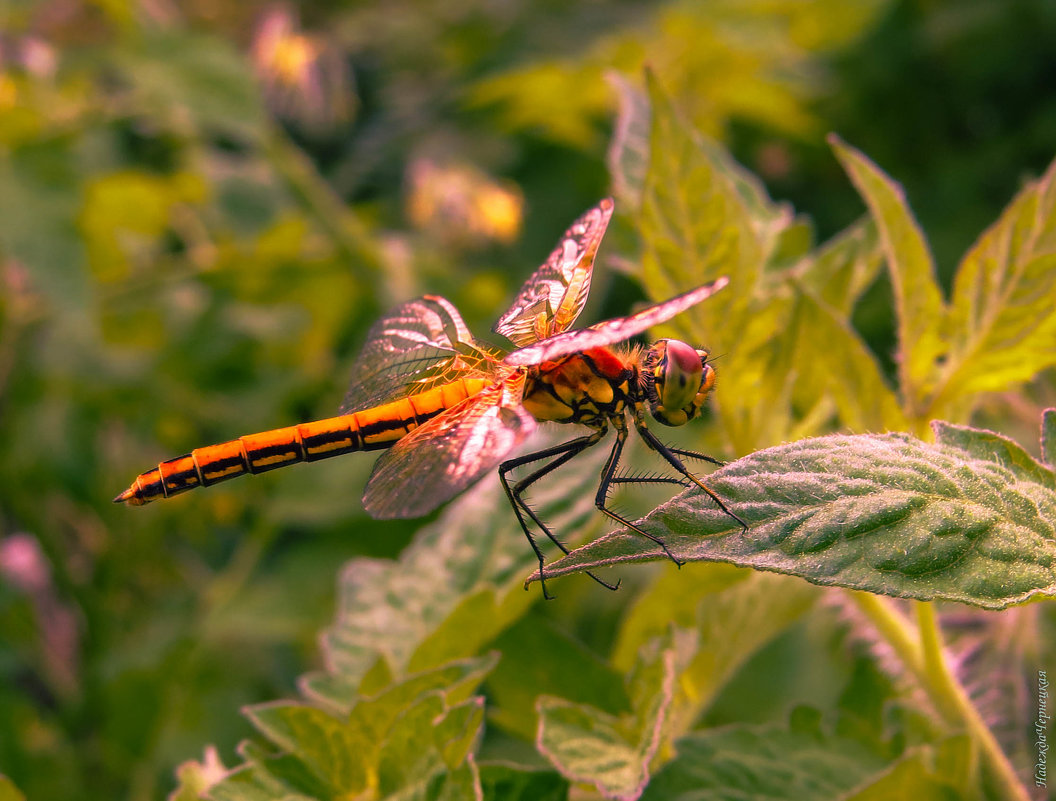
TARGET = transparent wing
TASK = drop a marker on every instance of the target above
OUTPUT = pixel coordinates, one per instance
(415, 346)
(436, 462)
(612, 330)
(552, 298)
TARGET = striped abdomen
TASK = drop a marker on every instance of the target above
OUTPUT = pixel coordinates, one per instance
(365, 430)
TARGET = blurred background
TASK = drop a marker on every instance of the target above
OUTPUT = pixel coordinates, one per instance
(204, 205)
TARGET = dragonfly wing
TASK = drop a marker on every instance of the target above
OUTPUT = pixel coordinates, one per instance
(552, 298)
(418, 343)
(436, 462)
(612, 330)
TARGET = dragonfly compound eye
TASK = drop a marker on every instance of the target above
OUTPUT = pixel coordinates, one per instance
(681, 380)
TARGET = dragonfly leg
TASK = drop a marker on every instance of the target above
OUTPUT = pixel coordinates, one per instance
(696, 455)
(671, 455)
(632, 479)
(515, 494)
(608, 474)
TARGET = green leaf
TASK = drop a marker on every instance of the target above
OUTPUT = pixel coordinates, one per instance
(694, 223)
(988, 446)
(723, 615)
(968, 519)
(674, 598)
(638, 154)
(127, 213)
(414, 740)
(763, 762)
(504, 782)
(863, 705)
(612, 753)
(916, 776)
(470, 625)
(425, 755)
(833, 364)
(1048, 437)
(374, 716)
(335, 752)
(539, 658)
(1002, 319)
(390, 609)
(8, 791)
(918, 300)
(266, 777)
(731, 627)
(844, 267)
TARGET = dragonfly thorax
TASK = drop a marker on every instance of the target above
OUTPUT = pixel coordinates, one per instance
(677, 380)
(589, 388)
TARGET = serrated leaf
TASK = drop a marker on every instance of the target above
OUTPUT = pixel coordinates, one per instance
(411, 741)
(989, 446)
(612, 753)
(268, 777)
(763, 762)
(694, 223)
(1002, 319)
(335, 752)
(374, 716)
(638, 145)
(918, 300)
(394, 610)
(505, 782)
(389, 609)
(844, 267)
(887, 514)
(825, 347)
(418, 748)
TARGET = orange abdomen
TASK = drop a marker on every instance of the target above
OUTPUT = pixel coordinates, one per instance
(369, 429)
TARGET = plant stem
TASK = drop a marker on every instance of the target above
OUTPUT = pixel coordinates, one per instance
(949, 694)
(921, 652)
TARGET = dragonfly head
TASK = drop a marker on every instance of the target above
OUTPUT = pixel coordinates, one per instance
(678, 379)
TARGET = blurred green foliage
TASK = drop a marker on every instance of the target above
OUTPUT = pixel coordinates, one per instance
(202, 209)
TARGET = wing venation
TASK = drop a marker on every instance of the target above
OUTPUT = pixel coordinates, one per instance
(436, 462)
(612, 331)
(415, 346)
(554, 295)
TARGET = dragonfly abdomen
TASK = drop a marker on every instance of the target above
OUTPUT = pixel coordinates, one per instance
(365, 430)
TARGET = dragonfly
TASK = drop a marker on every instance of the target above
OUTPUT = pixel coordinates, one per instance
(448, 409)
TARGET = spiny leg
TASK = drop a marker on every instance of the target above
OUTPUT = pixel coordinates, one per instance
(651, 480)
(563, 453)
(670, 455)
(697, 455)
(607, 479)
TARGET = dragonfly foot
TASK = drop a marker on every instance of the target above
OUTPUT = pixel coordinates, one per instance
(606, 584)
